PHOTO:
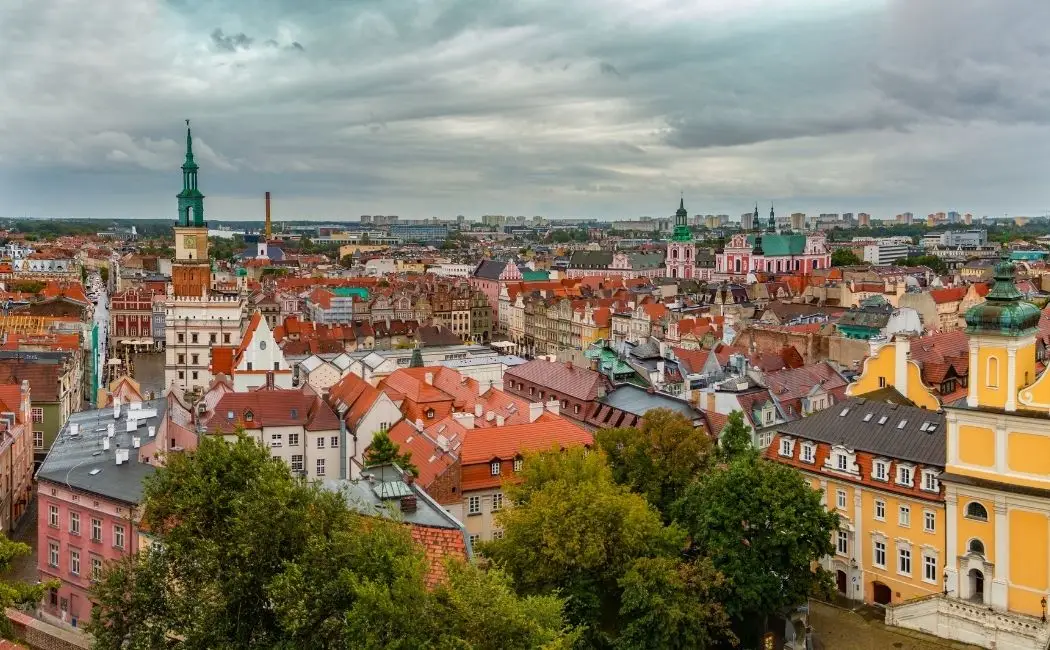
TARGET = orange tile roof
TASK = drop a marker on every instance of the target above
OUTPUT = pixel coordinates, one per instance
(427, 456)
(941, 296)
(507, 442)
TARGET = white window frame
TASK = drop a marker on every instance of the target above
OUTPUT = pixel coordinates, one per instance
(904, 516)
(96, 527)
(930, 560)
(320, 442)
(876, 550)
(74, 523)
(930, 483)
(53, 552)
(474, 505)
(276, 439)
(53, 517)
(118, 536)
(842, 543)
(880, 505)
(74, 562)
(296, 462)
(495, 467)
(904, 555)
(808, 453)
(333, 442)
(880, 470)
(320, 468)
(38, 440)
(36, 413)
(293, 439)
(905, 474)
(929, 521)
(497, 502)
(787, 447)
(840, 499)
(518, 464)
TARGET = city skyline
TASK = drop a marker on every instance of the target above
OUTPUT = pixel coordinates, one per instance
(575, 110)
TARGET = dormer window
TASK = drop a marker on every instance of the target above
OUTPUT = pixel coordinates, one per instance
(880, 470)
(904, 475)
(808, 452)
(430, 413)
(248, 416)
(494, 467)
(929, 481)
(229, 415)
(841, 462)
(787, 447)
(295, 414)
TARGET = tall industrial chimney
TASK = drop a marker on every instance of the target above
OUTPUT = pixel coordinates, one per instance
(267, 216)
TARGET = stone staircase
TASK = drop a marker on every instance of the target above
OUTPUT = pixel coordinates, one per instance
(974, 623)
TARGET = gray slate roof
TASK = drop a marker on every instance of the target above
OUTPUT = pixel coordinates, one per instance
(489, 269)
(381, 497)
(73, 458)
(857, 431)
(634, 399)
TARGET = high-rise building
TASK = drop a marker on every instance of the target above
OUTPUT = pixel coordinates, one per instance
(798, 221)
(747, 221)
(864, 220)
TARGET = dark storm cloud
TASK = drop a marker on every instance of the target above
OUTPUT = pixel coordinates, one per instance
(603, 107)
(231, 42)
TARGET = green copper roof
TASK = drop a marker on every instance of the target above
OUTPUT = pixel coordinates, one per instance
(681, 224)
(1003, 312)
(774, 244)
(346, 292)
(191, 201)
(535, 276)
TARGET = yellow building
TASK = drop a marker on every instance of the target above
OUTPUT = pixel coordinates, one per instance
(878, 465)
(997, 487)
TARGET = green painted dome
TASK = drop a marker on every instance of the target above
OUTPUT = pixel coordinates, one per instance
(1004, 312)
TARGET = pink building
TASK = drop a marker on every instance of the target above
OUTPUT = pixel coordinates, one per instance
(489, 276)
(772, 253)
(89, 491)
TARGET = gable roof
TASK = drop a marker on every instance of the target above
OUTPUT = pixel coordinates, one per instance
(489, 269)
(854, 423)
(582, 383)
(271, 408)
(507, 442)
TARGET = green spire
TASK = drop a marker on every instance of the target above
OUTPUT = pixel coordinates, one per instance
(772, 220)
(681, 224)
(1004, 311)
(191, 201)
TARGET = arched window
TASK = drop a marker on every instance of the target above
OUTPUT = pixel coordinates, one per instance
(993, 372)
(975, 546)
(674, 253)
(738, 265)
(976, 511)
(814, 263)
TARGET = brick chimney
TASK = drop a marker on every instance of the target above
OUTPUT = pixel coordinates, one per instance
(408, 503)
(429, 378)
(269, 380)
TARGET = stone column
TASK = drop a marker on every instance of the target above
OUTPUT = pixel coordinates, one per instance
(1011, 379)
(951, 567)
(971, 395)
(997, 595)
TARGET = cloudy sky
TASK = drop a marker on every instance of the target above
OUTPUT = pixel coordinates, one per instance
(604, 108)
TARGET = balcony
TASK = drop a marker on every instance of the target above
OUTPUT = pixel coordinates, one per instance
(970, 622)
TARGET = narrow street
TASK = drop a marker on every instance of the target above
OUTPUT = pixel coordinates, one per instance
(835, 628)
(23, 568)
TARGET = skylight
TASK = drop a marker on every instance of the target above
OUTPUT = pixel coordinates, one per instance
(843, 413)
(867, 418)
(883, 419)
(923, 426)
(902, 424)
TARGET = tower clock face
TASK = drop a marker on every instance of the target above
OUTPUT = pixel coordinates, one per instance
(190, 241)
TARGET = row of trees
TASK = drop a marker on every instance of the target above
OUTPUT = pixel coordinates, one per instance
(654, 539)
(254, 558)
(662, 540)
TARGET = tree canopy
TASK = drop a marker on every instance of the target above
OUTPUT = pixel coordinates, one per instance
(845, 257)
(253, 558)
(384, 450)
(575, 532)
(658, 460)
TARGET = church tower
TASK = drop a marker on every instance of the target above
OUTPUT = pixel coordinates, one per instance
(191, 268)
(681, 251)
(1002, 344)
(772, 227)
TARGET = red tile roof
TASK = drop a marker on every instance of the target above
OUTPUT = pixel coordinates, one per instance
(427, 456)
(954, 294)
(565, 378)
(271, 408)
(439, 544)
(507, 442)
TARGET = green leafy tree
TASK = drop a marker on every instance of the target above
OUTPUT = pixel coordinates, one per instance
(660, 459)
(17, 594)
(845, 257)
(670, 604)
(764, 528)
(384, 450)
(253, 558)
(735, 439)
(573, 531)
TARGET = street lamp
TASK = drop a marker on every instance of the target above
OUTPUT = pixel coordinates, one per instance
(946, 583)
(1043, 603)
